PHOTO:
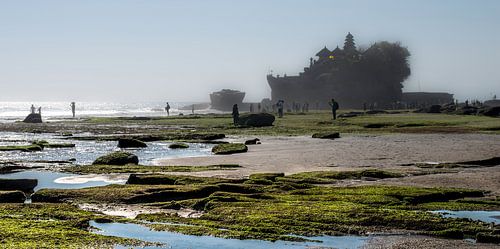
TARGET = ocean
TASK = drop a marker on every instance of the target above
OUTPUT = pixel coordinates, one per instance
(51, 111)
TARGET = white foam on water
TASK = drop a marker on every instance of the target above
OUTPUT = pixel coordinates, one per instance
(89, 178)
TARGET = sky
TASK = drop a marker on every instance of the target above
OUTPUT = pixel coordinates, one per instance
(181, 50)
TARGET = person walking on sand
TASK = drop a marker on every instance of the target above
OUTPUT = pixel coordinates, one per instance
(335, 107)
(73, 108)
(167, 108)
(33, 109)
(236, 114)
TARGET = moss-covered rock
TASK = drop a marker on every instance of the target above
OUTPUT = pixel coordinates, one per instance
(24, 148)
(117, 158)
(131, 143)
(178, 146)
(256, 119)
(231, 148)
(266, 176)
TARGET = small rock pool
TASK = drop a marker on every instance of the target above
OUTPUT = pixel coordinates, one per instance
(57, 180)
(484, 216)
(182, 241)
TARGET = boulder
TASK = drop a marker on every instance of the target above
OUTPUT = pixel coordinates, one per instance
(117, 158)
(178, 146)
(434, 109)
(26, 185)
(33, 118)
(130, 143)
(492, 111)
(231, 148)
(252, 141)
(331, 135)
(256, 119)
(12, 197)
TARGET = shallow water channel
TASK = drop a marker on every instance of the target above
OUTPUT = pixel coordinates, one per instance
(484, 216)
(85, 152)
(182, 241)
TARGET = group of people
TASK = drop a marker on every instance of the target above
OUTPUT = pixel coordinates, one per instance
(34, 109)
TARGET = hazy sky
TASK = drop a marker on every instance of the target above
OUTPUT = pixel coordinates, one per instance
(182, 50)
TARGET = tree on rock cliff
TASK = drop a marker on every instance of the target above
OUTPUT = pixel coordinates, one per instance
(387, 63)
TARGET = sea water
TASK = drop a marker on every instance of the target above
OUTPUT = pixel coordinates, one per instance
(51, 111)
(85, 152)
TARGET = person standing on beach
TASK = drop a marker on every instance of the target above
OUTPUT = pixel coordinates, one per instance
(40, 111)
(73, 108)
(192, 109)
(335, 107)
(236, 114)
(33, 109)
(167, 108)
(280, 108)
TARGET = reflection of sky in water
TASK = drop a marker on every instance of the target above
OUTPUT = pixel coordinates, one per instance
(47, 179)
(86, 152)
(484, 216)
(177, 240)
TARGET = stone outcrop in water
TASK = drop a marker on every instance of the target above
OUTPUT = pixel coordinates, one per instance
(178, 146)
(492, 111)
(256, 119)
(26, 185)
(117, 158)
(131, 143)
(252, 141)
(33, 118)
(332, 135)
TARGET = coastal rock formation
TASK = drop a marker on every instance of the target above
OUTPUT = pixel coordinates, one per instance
(12, 197)
(332, 135)
(33, 118)
(225, 149)
(225, 99)
(130, 143)
(26, 185)
(117, 158)
(252, 141)
(256, 119)
(178, 146)
(492, 111)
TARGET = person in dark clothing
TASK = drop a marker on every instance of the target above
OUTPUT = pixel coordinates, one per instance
(167, 108)
(280, 108)
(73, 108)
(335, 107)
(236, 114)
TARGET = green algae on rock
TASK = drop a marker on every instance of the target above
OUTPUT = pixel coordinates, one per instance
(117, 158)
(231, 148)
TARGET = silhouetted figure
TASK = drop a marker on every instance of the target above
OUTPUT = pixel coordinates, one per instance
(258, 107)
(251, 107)
(33, 109)
(335, 107)
(167, 108)
(279, 105)
(192, 109)
(40, 110)
(236, 114)
(73, 108)
(467, 103)
(364, 106)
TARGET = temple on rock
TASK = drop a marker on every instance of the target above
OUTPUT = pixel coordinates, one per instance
(354, 77)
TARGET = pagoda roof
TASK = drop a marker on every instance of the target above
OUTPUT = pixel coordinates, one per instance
(337, 51)
(323, 52)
